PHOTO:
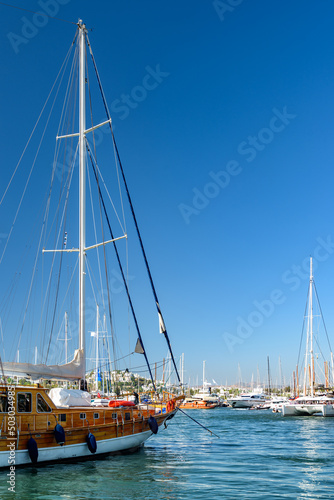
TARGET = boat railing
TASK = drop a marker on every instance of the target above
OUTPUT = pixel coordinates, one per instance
(106, 416)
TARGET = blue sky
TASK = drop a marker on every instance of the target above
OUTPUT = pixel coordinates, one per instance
(226, 137)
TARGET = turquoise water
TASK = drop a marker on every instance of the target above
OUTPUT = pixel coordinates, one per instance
(259, 455)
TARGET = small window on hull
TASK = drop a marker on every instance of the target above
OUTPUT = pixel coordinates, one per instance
(3, 403)
(24, 402)
(42, 406)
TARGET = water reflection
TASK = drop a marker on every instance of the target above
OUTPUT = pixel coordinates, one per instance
(258, 455)
(117, 477)
(313, 459)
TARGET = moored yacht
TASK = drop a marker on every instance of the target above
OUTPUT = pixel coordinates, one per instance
(247, 400)
(198, 404)
(310, 403)
(307, 405)
(277, 402)
(204, 400)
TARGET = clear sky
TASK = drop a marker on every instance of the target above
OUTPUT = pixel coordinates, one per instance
(223, 112)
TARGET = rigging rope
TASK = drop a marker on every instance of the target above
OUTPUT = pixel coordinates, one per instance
(102, 229)
(119, 263)
(191, 418)
(314, 337)
(164, 329)
(59, 275)
(38, 119)
(322, 316)
(301, 338)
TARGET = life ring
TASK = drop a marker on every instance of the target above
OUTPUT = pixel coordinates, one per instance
(168, 407)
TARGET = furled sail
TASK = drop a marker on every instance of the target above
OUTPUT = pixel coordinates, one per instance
(74, 370)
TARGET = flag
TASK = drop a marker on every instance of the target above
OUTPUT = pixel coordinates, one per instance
(139, 347)
(162, 327)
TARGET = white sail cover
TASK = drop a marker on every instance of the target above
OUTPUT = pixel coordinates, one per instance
(69, 397)
(73, 370)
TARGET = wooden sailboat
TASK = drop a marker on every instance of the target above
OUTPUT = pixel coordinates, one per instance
(37, 425)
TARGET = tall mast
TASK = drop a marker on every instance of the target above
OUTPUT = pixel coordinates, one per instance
(311, 327)
(82, 186)
(66, 334)
(203, 376)
(97, 349)
(182, 368)
(66, 330)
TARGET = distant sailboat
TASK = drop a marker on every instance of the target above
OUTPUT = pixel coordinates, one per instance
(309, 403)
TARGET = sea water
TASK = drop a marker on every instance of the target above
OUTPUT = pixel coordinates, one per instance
(258, 455)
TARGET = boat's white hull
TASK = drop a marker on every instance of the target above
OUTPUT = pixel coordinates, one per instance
(309, 406)
(245, 403)
(240, 404)
(328, 410)
(301, 409)
(74, 451)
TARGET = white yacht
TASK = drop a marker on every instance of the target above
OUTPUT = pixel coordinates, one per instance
(277, 402)
(248, 400)
(307, 405)
(206, 396)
